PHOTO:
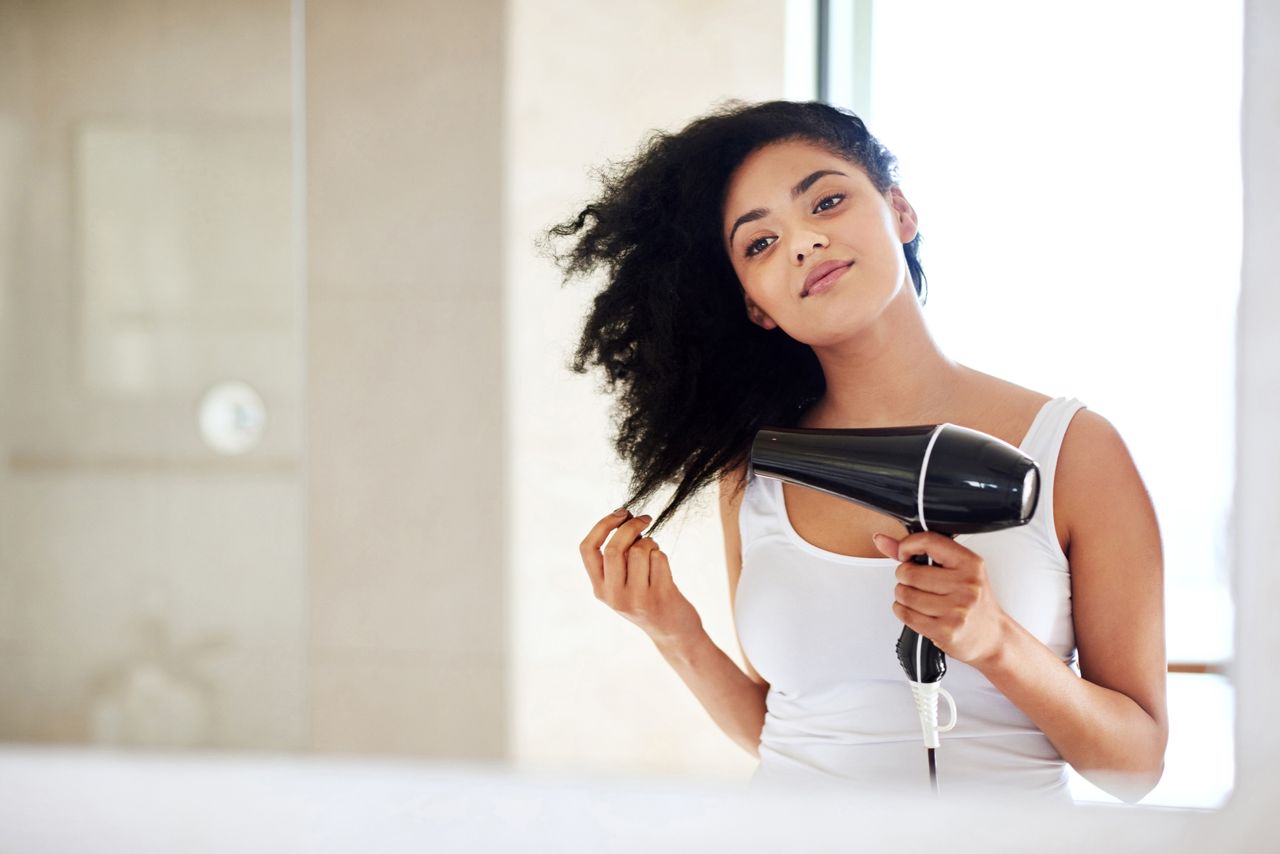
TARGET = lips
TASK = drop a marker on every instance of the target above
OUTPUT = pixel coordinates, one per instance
(820, 271)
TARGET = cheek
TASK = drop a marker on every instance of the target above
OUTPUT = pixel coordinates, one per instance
(761, 291)
(746, 281)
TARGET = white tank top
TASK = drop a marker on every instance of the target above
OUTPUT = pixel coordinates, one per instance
(819, 628)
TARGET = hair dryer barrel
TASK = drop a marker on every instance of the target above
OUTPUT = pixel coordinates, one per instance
(973, 482)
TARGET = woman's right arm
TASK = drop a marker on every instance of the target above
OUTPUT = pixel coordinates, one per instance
(633, 577)
(735, 700)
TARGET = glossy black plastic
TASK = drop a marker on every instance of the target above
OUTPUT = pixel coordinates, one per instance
(974, 483)
(920, 659)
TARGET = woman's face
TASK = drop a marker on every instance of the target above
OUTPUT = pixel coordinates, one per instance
(793, 207)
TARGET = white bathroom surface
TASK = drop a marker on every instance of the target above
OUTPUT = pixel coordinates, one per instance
(68, 800)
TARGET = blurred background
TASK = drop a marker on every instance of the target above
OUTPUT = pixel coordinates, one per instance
(290, 459)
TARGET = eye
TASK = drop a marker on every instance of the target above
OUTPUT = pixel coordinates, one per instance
(751, 247)
(822, 205)
(838, 196)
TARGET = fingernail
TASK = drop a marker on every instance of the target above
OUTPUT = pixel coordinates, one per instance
(877, 537)
(621, 511)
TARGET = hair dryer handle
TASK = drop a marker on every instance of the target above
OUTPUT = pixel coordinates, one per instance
(920, 659)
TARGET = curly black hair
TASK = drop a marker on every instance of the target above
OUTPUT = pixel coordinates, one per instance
(697, 379)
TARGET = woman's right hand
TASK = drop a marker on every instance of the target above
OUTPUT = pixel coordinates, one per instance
(632, 577)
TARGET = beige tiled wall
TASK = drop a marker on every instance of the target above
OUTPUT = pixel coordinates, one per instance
(348, 598)
(405, 184)
(151, 591)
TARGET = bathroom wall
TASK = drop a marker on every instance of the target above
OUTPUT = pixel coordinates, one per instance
(152, 590)
(408, 610)
(338, 587)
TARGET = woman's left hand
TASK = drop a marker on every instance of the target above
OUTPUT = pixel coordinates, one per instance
(951, 603)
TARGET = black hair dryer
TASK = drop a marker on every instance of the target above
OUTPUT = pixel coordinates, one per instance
(938, 477)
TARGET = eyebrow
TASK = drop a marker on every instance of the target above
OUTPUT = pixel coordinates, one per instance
(804, 184)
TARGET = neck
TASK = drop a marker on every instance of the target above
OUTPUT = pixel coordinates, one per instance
(891, 374)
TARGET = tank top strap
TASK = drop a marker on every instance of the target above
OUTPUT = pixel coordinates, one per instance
(1043, 444)
(1044, 438)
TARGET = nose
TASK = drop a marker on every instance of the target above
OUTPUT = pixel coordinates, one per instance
(805, 242)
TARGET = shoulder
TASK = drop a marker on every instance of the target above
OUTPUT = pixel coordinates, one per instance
(1097, 484)
(1091, 449)
(999, 407)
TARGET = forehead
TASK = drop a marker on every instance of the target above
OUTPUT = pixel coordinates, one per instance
(769, 173)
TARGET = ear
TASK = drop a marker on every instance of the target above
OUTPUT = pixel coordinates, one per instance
(757, 314)
(903, 213)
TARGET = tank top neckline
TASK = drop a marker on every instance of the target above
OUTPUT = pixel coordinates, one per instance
(775, 485)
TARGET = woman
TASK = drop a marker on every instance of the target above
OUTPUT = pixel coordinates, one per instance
(762, 270)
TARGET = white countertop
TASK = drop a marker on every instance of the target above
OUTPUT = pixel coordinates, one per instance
(66, 799)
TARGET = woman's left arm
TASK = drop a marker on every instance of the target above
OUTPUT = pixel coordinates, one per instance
(1111, 725)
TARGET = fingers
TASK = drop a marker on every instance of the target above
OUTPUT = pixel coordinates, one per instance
(887, 545)
(931, 579)
(615, 556)
(659, 569)
(929, 604)
(639, 564)
(963, 580)
(589, 548)
(922, 624)
(945, 551)
(962, 620)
